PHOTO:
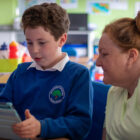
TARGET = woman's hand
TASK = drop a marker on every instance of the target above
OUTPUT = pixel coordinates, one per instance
(29, 128)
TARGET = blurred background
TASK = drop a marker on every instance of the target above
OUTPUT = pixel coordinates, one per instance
(88, 18)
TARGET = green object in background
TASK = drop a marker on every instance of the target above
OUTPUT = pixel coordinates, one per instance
(8, 11)
(9, 65)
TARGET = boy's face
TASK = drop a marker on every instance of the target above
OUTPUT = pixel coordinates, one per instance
(42, 46)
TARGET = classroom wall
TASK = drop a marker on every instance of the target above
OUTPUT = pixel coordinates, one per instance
(7, 11)
(8, 8)
(102, 19)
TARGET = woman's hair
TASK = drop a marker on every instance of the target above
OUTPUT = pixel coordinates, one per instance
(125, 32)
(50, 16)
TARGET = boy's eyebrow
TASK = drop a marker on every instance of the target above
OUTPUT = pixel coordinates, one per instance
(37, 39)
(28, 39)
(41, 39)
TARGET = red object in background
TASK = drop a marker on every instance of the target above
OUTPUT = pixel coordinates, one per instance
(26, 58)
(99, 77)
(13, 50)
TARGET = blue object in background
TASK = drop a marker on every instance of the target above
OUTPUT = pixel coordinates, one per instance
(92, 70)
(24, 43)
(100, 98)
(4, 46)
(70, 51)
(95, 50)
(77, 50)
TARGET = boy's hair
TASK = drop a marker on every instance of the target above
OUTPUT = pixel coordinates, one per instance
(50, 16)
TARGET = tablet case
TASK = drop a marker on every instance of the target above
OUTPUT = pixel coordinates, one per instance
(8, 117)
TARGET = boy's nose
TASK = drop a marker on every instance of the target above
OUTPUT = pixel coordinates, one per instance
(35, 49)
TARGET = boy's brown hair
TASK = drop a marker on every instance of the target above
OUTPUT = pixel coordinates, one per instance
(50, 16)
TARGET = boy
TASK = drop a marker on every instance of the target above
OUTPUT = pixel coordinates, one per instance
(52, 94)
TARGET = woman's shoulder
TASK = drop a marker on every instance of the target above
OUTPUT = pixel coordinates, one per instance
(115, 92)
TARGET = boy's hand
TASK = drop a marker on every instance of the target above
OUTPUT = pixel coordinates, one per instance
(28, 128)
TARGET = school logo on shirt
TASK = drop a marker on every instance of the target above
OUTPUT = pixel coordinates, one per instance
(57, 94)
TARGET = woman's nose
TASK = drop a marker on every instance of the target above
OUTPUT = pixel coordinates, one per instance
(98, 63)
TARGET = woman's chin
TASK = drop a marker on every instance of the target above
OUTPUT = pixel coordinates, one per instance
(106, 81)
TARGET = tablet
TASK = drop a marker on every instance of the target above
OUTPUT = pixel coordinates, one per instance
(8, 117)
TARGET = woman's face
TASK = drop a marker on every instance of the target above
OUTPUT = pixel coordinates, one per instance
(113, 61)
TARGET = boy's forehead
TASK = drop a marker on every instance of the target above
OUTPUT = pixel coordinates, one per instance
(36, 31)
(37, 28)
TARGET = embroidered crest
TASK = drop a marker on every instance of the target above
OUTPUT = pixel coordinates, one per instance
(57, 94)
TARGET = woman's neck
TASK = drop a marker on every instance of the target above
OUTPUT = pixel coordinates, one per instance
(131, 88)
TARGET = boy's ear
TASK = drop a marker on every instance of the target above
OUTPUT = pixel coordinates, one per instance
(62, 39)
(133, 55)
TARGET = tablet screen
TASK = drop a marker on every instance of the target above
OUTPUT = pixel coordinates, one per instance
(8, 117)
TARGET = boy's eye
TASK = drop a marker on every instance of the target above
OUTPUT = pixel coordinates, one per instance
(29, 43)
(42, 43)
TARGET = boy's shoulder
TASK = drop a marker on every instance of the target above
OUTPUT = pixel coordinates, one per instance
(73, 65)
(23, 67)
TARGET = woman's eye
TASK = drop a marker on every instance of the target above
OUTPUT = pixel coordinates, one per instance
(104, 54)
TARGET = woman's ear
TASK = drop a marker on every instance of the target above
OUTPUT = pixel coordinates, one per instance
(132, 56)
(62, 39)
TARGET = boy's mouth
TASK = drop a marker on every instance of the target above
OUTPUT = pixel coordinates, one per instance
(37, 59)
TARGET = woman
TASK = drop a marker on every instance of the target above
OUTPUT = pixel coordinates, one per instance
(119, 56)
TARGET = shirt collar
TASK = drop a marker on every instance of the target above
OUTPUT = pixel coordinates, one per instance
(59, 66)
